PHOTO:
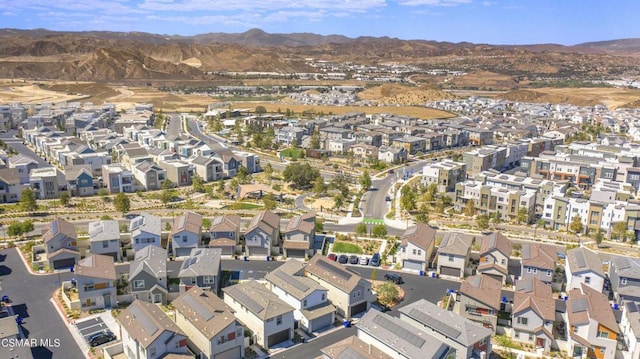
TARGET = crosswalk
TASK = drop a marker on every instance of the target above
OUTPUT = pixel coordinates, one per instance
(373, 221)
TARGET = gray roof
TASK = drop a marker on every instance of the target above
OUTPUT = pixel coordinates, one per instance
(147, 223)
(152, 259)
(449, 324)
(632, 312)
(104, 230)
(335, 274)
(208, 313)
(582, 260)
(290, 278)
(626, 267)
(145, 322)
(454, 243)
(96, 266)
(393, 332)
(258, 299)
(201, 262)
(8, 328)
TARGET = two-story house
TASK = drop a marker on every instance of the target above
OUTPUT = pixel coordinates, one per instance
(267, 316)
(298, 236)
(210, 326)
(592, 328)
(147, 332)
(262, 237)
(149, 175)
(313, 311)
(80, 181)
(467, 338)
(539, 261)
(495, 252)
(417, 246)
(533, 314)
(201, 269)
(186, 233)
(624, 274)
(208, 168)
(225, 233)
(146, 230)
(392, 154)
(453, 255)
(479, 300)
(148, 275)
(104, 238)
(96, 282)
(584, 266)
(60, 244)
(630, 328)
(10, 187)
(348, 292)
(230, 163)
(353, 347)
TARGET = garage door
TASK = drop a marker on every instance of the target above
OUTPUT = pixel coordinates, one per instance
(181, 252)
(279, 337)
(413, 265)
(227, 250)
(295, 253)
(450, 271)
(258, 251)
(64, 263)
(321, 322)
(233, 353)
(358, 308)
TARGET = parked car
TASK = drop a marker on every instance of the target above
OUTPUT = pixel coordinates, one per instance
(364, 260)
(343, 259)
(387, 198)
(375, 260)
(101, 338)
(381, 307)
(395, 278)
(354, 259)
(392, 171)
(332, 256)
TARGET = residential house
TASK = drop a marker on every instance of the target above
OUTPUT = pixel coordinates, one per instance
(262, 237)
(467, 338)
(453, 255)
(104, 238)
(444, 174)
(148, 275)
(417, 246)
(534, 314)
(225, 233)
(147, 332)
(495, 252)
(479, 300)
(230, 163)
(10, 187)
(96, 282)
(584, 266)
(267, 316)
(364, 151)
(24, 165)
(80, 181)
(353, 347)
(539, 261)
(348, 292)
(186, 233)
(624, 274)
(630, 329)
(208, 168)
(298, 236)
(10, 332)
(146, 230)
(44, 181)
(149, 175)
(392, 154)
(178, 172)
(60, 244)
(117, 178)
(201, 269)
(313, 311)
(210, 326)
(592, 328)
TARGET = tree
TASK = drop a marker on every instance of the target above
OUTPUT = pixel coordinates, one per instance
(482, 221)
(470, 208)
(260, 110)
(300, 175)
(319, 188)
(243, 174)
(206, 224)
(167, 184)
(319, 227)
(522, 216)
(430, 194)
(198, 184)
(269, 201)
(65, 198)
(16, 229)
(28, 201)
(122, 203)
(374, 274)
(106, 217)
(166, 196)
(423, 213)
(379, 230)
(387, 293)
(599, 237)
(268, 170)
(576, 224)
(365, 180)
(408, 198)
(361, 229)
(619, 230)
(338, 201)
(314, 143)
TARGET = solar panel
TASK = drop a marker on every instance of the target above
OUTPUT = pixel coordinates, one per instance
(141, 317)
(580, 259)
(189, 262)
(435, 323)
(579, 305)
(525, 286)
(349, 353)
(292, 281)
(295, 221)
(54, 226)
(401, 332)
(198, 307)
(526, 251)
(631, 307)
(217, 220)
(343, 274)
(181, 221)
(247, 301)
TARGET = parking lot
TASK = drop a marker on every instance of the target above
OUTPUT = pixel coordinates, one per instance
(101, 322)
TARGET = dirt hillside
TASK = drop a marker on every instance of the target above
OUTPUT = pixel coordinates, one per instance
(403, 95)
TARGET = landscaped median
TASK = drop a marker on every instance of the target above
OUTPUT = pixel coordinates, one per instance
(346, 247)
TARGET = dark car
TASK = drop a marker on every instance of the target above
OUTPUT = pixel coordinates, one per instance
(392, 171)
(387, 198)
(343, 259)
(332, 256)
(101, 338)
(381, 307)
(354, 259)
(375, 260)
(395, 278)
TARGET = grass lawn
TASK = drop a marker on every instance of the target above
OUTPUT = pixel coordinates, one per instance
(242, 205)
(292, 152)
(345, 247)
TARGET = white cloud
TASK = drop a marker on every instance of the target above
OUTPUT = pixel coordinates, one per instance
(433, 2)
(253, 5)
(489, 3)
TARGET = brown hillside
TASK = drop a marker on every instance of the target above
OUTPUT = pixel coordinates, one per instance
(403, 95)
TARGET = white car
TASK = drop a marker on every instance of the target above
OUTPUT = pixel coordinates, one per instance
(364, 260)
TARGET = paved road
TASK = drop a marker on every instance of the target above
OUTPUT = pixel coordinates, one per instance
(16, 144)
(173, 126)
(195, 130)
(31, 296)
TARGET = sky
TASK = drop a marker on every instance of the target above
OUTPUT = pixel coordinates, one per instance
(566, 22)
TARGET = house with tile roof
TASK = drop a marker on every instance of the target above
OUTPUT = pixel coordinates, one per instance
(201, 268)
(453, 255)
(148, 275)
(186, 233)
(262, 237)
(417, 247)
(348, 292)
(313, 311)
(96, 282)
(104, 238)
(495, 251)
(146, 230)
(539, 261)
(624, 274)
(584, 266)
(592, 328)
(353, 347)
(210, 325)
(467, 338)
(224, 233)
(533, 314)
(60, 244)
(479, 300)
(298, 236)
(147, 332)
(263, 312)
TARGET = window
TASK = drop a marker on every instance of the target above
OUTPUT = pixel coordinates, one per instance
(503, 262)
(450, 257)
(530, 336)
(623, 281)
(414, 252)
(323, 297)
(535, 270)
(239, 333)
(184, 239)
(105, 244)
(419, 252)
(601, 350)
(138, 284)
(587, 280)
(304, 303)
(208, 280)
(549, 273)
(602, 334)
(528, 269)
(193, 280)
(279, 320)
(523, 321)
(152, 352)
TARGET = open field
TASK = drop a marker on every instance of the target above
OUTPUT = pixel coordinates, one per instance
(611, 97)
(415, 111)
